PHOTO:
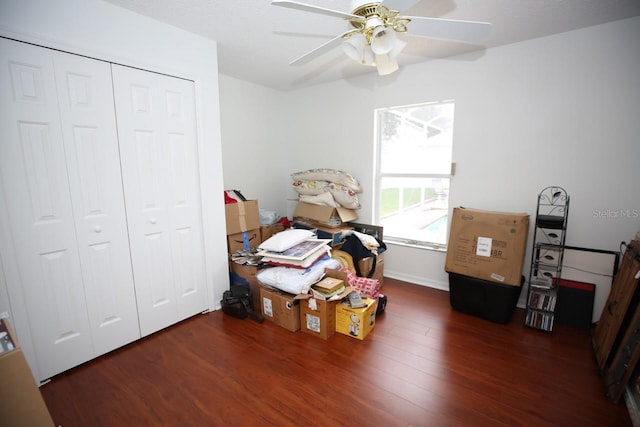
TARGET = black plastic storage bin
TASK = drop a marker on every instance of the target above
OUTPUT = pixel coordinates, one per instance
(489, 300)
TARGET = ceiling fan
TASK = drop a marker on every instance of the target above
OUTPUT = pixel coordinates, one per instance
(373, 41)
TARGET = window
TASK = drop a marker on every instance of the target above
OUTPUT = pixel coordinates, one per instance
(413, 172)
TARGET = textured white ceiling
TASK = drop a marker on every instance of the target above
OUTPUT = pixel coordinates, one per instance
(256, 40)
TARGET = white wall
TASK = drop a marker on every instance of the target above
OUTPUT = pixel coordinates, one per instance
(257, 153)
(561, 110)
(101, 30)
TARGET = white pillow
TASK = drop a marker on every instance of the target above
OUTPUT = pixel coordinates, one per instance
(286, 239)
(296, 280)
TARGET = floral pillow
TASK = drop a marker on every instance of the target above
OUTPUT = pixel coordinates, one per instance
(345, 196)
(331, 175)
(312, 188)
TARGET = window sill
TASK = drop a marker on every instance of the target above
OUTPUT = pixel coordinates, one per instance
(423, 246)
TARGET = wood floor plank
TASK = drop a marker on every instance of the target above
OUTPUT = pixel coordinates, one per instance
(424, 364)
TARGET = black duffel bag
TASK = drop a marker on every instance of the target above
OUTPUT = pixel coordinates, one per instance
(237, 302)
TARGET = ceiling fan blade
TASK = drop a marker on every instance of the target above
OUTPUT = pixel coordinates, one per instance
(448, 29)
(322, 49)
(315, 9)
(399, 5)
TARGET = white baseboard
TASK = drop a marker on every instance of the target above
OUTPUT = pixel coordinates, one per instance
(435, 284)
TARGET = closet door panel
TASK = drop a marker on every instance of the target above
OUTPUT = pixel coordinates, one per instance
(186, 214)
(33, 178)
(93, 161)
(156, 126)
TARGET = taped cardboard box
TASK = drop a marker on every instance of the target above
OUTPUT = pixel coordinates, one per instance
(21, 403)
(325, 215)
(243, 240)
(356, 322)
(267, 231)
(487, 245)
(318, 316)
(280, 307)
(365, 265)
(242, 216)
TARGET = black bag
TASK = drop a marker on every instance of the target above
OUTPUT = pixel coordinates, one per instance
(237, 302)
(354, 247)
(382, 304)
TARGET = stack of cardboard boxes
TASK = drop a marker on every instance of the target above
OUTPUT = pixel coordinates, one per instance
(308, 313)
(243, 225)
(317, 316)
(244, 233)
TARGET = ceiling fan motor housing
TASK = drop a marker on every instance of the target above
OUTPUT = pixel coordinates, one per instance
(364, 9)
(374, 15)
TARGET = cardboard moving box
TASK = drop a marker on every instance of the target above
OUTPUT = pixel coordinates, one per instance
(356, 322)
(280, 307)
(318, 316)
(365, 265)
(487, 245)
(325, 215)
(21, 403)
(242, 216)
(243, 240)
(267, 231)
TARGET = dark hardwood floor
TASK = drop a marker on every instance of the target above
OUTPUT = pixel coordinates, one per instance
(423, 365)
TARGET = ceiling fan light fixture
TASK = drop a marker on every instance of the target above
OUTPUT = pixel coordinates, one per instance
(374, 38)
(373, 22)
(398, 46)
(353, 46)
(368, 57)
(385, 64)
(356, 48)
(383, 40)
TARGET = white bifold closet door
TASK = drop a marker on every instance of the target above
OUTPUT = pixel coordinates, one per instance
(71, 286)
(159, 157)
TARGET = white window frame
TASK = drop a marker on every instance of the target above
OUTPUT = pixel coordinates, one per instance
(378, 176)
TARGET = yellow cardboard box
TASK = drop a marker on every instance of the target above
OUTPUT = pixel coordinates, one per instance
(356, 322)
